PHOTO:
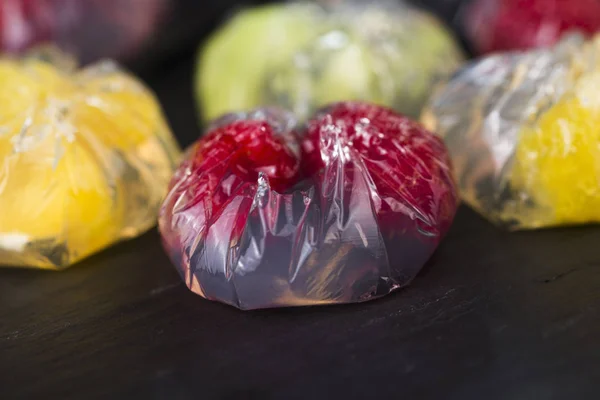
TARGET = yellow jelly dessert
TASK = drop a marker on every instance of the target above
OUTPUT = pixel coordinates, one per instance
(85, 158)
(523, 130)
(557, 161)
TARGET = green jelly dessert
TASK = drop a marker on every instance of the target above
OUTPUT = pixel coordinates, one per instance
(304, 55)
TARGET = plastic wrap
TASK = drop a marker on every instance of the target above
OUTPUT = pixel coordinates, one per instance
(89, 29)
(304, 55)
(501, 25)
(85, 159)
(266, 213)
(522, 129)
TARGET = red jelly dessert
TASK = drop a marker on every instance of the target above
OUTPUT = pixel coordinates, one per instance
(89, 29)
(263, 213)
(500, 25)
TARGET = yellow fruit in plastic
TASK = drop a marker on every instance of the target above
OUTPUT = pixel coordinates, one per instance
(85, 158)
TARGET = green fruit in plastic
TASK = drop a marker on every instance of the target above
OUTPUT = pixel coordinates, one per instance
(302, 56)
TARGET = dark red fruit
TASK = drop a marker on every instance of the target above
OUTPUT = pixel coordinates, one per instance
(89, 29)
(250, 147)
(25, 22)
(227, 162)
(347, 209)
(408, 165)
(500, 25)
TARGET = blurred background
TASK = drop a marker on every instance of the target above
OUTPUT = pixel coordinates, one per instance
(156, 39)
(172, 56)
(188, 22)
(168, 60)
(159, 39)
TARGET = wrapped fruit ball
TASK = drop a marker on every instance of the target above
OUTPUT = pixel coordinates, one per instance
(304, 55)
(86, 158)
(500, 25)
(89, 29)
(265, 213)
(523, 132)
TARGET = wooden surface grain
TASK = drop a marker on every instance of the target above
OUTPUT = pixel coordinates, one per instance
(494, 315)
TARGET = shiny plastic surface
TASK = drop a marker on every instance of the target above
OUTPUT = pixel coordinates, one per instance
(501, 25)
(265, 213)
(522, 129)
(89, 29)
(85, 159)
(304, 55)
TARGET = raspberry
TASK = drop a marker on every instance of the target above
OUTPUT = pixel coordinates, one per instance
(495, 25)
(347, 209)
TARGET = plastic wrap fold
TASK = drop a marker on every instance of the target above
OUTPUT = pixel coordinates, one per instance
(523, 131)
(266, 213)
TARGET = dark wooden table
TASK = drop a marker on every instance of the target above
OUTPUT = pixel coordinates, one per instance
(493, 316)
